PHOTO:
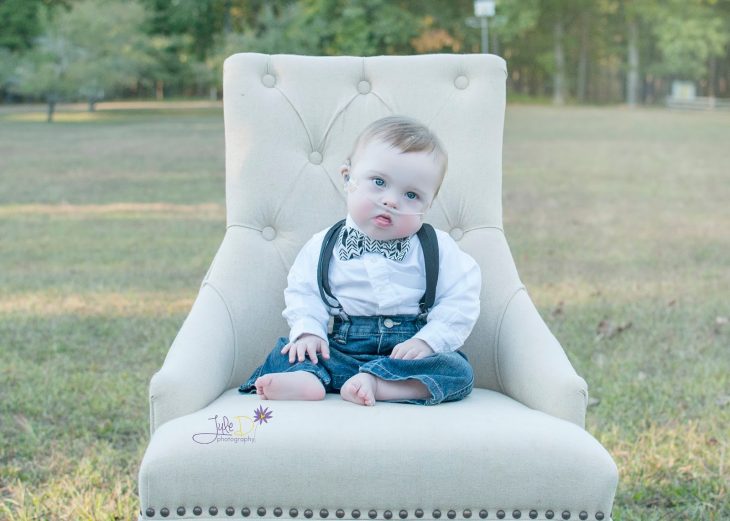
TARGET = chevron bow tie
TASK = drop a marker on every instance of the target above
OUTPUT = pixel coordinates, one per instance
(353, 243)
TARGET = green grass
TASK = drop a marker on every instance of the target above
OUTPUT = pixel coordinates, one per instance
(109, 221)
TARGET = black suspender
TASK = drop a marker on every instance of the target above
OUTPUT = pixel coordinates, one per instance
(429, 244)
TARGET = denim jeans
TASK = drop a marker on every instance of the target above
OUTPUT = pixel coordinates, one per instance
(363, 344)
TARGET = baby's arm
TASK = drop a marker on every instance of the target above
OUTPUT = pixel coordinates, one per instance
(305, 312)
(456, 306)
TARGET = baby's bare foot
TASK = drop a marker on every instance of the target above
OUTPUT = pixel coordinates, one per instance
(360, 389)
(296, 385)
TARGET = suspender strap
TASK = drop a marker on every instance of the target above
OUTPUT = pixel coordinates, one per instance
(429, 244)
(323, 267)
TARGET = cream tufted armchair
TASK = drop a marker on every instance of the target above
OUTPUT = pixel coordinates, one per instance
(515, 448)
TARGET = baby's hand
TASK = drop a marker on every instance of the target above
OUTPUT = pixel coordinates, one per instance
(307, 343)
(411, 349)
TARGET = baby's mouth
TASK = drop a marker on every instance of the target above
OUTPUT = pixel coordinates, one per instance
(383, 219)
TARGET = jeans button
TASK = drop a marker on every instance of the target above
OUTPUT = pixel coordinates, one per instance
(388, 323)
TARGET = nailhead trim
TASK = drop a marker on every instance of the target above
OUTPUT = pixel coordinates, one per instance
(372, 513)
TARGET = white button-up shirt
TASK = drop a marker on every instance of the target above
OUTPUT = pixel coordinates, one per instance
(375, 285)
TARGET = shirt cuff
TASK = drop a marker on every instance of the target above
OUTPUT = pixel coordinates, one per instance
(307, 325)
(434, 336)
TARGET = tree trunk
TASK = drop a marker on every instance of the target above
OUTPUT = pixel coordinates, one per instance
(583, 59)
(159, 90)
(632, 78)
(92, 105)
(559, 74)
(51, 107)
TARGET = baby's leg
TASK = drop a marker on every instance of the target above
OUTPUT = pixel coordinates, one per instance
(294, 385)
(365, 389)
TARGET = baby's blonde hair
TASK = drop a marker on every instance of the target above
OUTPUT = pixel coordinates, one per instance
(407, 135)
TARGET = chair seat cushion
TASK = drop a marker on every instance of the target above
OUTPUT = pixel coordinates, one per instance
(485, 457)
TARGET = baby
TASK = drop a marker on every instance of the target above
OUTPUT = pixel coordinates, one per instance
(382, 343)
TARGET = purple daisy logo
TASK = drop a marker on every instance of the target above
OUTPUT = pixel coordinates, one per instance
(261, 415)
(237, 429)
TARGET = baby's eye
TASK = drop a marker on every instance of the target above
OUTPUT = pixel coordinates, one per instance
(411, 195)
(379, 181)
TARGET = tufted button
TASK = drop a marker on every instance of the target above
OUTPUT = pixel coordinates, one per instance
(293, 512)
(181, 511)
(315, 157)
(164, 512)
(388, 323)
(363, 87)
(150, 512)
(461, 82)
(269, 233)
(269, 80)
(456, 233)
(230, 511)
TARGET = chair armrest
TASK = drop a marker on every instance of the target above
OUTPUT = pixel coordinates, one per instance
(533, 368)
(199, 365)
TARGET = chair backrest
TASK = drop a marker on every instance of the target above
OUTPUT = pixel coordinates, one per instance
(290, 122)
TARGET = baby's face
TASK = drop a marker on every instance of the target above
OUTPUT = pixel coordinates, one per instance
(388, 190)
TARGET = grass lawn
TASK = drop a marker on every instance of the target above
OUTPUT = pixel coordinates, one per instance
(618, 220)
